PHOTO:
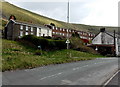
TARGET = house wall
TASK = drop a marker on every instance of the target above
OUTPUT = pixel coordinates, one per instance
(103, 38)
(108, 39)
(9, 30)
(63, 33)
(97, 39)
(16, 31)
(22, 29)
(41, 31)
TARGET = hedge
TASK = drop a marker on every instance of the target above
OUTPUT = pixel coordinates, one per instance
(46, 44)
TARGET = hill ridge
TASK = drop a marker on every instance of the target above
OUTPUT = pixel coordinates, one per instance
(24, 15)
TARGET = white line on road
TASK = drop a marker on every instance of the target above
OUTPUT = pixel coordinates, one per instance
(51, 76)
(79, 67)
(111, 78)
(76, 68)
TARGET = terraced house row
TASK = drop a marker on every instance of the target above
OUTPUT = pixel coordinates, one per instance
(61, 32)
(15, 29)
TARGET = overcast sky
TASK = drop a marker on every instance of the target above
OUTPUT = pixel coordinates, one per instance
(90, 12)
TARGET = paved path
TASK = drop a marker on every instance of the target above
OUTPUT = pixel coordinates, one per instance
(91, 72)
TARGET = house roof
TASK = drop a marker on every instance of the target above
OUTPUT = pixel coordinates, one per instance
(110, 34)
(29, 24)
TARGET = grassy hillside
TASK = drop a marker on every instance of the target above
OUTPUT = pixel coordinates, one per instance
(16, 55)
(27, 16)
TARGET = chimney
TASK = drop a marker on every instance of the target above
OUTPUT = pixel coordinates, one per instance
(12, 17)
(102, 29)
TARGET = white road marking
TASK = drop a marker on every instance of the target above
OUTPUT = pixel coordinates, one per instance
(111, 78)
(64, 82)
(43, 78)
(79, 67)
(51, 76)
(76, 68)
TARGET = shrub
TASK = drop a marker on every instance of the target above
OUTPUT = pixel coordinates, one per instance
(77, 44)
(46, 44)
(86, 49)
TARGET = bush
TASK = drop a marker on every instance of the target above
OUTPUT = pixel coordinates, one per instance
(77, 44)
(46, 44)
(86, 49)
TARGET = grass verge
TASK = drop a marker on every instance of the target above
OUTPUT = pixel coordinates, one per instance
(18, 56)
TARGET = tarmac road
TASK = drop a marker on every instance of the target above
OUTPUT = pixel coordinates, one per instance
(91, 72)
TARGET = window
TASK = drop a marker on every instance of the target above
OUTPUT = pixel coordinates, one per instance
(60, 29)
(39, 34)
(67, 30)
(31, 28)
(21, 27)
(26, 33)
(26, 28)
(53, 27)
(39, 29)
(56, 28)
(21, 33)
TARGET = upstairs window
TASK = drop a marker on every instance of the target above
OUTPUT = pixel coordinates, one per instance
(39, 29)
(26, 28)
(56, 28)
(31, 29)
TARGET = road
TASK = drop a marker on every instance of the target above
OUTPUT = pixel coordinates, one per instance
(114, 80)
(90, 72)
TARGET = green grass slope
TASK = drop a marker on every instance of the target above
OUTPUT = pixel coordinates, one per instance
(27, 16)
(16, 55)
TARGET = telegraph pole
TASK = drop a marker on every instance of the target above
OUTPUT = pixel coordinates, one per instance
(68, 23)
(68, 13)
